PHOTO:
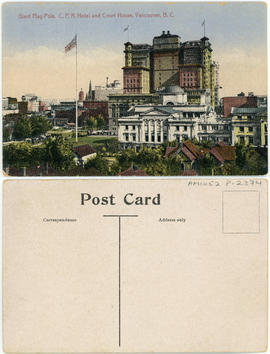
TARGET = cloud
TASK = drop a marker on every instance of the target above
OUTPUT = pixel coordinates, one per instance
(51, 73)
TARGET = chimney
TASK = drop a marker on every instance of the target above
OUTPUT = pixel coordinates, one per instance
(163, 32)
(168, 32)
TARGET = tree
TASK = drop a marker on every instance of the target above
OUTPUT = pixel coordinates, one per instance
(91, 123)
(230, 169)
(147, 155)
(112, 145)
(207, 165)
(6, 134)
(100, 121)
(40, 125)
(22, 128)
(126, 158)
(59, 154)
(18, 155)
(99, 163)
(173, 166)
(115, 169)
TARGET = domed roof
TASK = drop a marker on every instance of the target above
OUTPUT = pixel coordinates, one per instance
(174, 89)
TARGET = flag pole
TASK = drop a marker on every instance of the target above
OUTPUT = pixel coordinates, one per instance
(76, 127)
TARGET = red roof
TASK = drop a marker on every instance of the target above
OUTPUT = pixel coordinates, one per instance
(188, 154)
(217, 155)
(84, 150)
(133, 172)
(170, 150)
(189, 173)
(227, 152)
(221, 143)
(223, 153)
(191, 147)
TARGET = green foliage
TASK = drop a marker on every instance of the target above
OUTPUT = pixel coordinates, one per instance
(22, 128)
(126, 158)
(91, 123)
(173, 166)
(30, 127)
(207, 165)
(100, 121)
(111, 145)
(100, 164)
(249, 161)
(18, 155)
(40, 125)
(229, 169)
(5, 134)
(59, 154)
(115, 169)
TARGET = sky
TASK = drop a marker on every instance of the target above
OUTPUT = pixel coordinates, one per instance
(34, 35)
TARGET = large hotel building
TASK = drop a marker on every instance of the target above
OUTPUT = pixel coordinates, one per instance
(149, 68)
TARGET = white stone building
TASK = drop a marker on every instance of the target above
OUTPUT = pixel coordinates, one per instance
(174, 119)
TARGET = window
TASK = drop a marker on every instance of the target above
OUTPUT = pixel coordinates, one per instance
(126, 137)
(250, 140)
(158, 138)
(126, 127)
(133, 127)
(250, 129)
(146, 137)
(185, 128)
(134, 137)
(242, 140)
(177, 128)
(241, 129)
(153, 138)
(265, 128)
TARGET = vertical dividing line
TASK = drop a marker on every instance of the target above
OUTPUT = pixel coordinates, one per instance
(119, 281)
(76, 101)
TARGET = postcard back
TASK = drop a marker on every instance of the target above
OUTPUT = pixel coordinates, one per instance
(135, 266)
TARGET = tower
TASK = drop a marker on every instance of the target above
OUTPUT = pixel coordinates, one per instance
(81, 96)
(197, 71)
(165, 60)
(136, 72)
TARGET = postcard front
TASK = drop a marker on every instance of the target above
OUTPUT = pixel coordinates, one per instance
(127, 89)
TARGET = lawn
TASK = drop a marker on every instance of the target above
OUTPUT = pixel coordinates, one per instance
(92, 140)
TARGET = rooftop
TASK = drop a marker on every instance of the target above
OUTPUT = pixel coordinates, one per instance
(84, 150)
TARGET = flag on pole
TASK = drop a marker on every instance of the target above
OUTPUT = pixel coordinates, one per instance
(71, 44)
(203, 22)
(125, 29)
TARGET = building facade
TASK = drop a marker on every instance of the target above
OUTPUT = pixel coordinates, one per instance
(136, 72)
(248, 126)
(172, 120)
(237, 101)
(119, 105)
(165, 62)
(197, 69)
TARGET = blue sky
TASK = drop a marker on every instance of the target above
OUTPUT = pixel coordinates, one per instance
(236, 31)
